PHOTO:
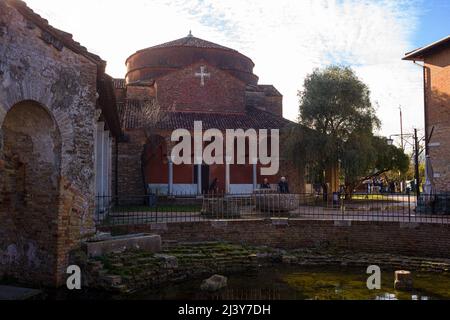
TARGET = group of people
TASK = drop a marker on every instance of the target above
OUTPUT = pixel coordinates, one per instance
(283, 186)
(379, 185)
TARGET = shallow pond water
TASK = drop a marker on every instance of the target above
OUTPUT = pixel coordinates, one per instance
(299, 283)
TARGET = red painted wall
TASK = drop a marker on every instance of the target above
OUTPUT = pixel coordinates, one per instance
(183, 173)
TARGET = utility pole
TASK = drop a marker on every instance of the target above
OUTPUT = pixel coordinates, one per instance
(401, 128)
(416, 165)
(401, 141)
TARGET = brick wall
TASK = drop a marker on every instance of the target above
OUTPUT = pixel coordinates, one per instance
(129, 172)
(182, 91)
(46, 151)
(437, 88)
(264, 101)
(144, 92)
(424, 239)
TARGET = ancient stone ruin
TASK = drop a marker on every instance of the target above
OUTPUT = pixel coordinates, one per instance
(55, 103)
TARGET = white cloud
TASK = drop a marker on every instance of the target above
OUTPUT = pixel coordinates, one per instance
(285, 39)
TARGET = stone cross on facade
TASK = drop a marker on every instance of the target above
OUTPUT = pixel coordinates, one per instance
(202, 74)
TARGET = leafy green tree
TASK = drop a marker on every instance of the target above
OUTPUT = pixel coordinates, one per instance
(336, 105)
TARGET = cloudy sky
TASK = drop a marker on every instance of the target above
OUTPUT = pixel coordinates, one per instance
(286, 39)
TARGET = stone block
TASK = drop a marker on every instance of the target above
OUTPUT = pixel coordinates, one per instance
(403, 280)
(16, 293)
(275, 202)
(147, 242)
(214, 283)
(111, 280)
(169, 261)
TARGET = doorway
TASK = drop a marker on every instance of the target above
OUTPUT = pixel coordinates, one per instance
(205, 178)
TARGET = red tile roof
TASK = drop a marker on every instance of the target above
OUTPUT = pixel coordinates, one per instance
(133, 115)
(190, 41)
(422, 52)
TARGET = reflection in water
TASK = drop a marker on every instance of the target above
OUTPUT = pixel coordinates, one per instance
(299, 283)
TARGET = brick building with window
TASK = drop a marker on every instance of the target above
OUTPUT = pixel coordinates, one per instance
(435, 60)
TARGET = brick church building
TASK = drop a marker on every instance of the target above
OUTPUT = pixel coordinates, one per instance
(189, 80)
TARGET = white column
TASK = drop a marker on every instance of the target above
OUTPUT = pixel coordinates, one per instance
(227, 177)
(110, 166)
(105, 172)
(170, 182)
(199, 179)
(254, 176)
(99, 158)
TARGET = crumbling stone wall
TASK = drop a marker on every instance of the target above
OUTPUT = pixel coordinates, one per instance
(46, 154)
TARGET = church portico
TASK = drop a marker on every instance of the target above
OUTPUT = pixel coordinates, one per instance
(183, 180)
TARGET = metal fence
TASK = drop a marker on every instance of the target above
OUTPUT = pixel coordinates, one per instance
(144, 209)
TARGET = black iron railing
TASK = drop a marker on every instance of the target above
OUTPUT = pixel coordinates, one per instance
(144, 209)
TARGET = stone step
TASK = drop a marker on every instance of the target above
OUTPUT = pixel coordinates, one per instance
(19, 293)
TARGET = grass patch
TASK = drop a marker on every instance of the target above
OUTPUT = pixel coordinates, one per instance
(377, 197)
(158, 208)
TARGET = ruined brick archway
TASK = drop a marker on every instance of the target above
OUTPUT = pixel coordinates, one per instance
(29, 191)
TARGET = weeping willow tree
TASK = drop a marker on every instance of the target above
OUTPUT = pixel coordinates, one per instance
(300, 147)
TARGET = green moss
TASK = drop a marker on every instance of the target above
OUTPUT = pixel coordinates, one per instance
(105, 261)
(436, 284)
(332, 285)
(307, 283)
